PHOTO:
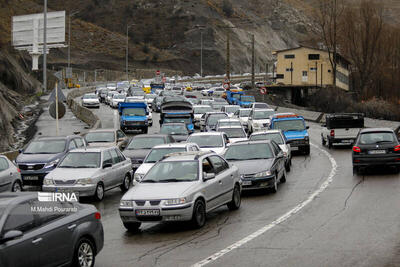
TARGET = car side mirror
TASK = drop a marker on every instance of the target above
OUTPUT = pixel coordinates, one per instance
(20, 151)
(11, 235)
(107, 165)
(307, 127)
(208, 176)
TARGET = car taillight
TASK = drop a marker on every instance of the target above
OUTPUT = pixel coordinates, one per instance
(332, 133)
(356, 149)
(18, 170)
(97, 215)
(397, 148)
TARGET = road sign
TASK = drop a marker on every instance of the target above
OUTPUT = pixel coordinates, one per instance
(61, 110)
(58, 75)
(263, 90)
(61, 96)
(226, 86)
(158, 72)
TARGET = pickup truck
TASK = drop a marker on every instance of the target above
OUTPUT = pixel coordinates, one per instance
(232, 97)
(245, 101)
(133, 116)
(341, 128)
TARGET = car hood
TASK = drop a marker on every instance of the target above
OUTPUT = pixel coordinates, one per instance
(136, 153)
(37, 158)
(295, 134)
(144, 168)
(152, 191)
(72, 173)
(262, 121)
(252, 166)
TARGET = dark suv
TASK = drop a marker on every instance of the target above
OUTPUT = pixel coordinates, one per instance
(42, 155)
(37, 233)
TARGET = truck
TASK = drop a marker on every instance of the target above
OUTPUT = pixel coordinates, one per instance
(341, 128)
(232, 97)
(294, 128)
(239, 98)
(155, 86)
(133, 116)
(177, 111)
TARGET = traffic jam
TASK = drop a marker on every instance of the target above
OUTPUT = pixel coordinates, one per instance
(178, 153)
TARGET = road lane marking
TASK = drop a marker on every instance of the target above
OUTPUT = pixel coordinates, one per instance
(281, 219)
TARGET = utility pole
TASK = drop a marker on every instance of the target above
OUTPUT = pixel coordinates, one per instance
(201, 53)
(253, 77)
(45, 46)
(228, 59)
(316, 75)
(266, 72)
(69, 37)
(291, 72)
(127, 51)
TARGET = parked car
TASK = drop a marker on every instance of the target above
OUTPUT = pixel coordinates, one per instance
(210, 141)
(177, 130)
(10, 176)
(158, 153)
(234, 133)
(42, 155)
(31, 237)
(259, 119)
(116, 99)
(376, 147)
(90, 172)
(243, 115)
(280, 139)
(230, 109)
(90, 101)
(106, 138)
(199, 111)
(140, 145)
(182, 187)
(261, 164)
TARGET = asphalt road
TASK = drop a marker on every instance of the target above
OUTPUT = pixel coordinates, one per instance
(322, 216)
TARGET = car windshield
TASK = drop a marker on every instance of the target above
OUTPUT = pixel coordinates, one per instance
(150, 96)
(262, 114)
(260, 105)
(244, 113)
(90, 97)
(202, 110)
(213, 119)
(179, 129)
(158, 153)
(277, 137)
(248, 152)
(206, 102)
(376, 138)
(81, 160)
(248, 98)
(173, 171)
(231, 109)
(186, 120)
(289, 125)
(145, 142)
(233, 132)
(94, 137)
(45, 147)
(205, 141)
(222, 123)
(138, 93)
(133, 112)
(3, 164)
(217, 106)
(119, 96)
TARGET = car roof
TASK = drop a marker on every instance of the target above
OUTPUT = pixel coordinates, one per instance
(245, 109)
(91, 149)
(267, 131)
(150, 135)
(185, 156)
(370, 130)
(200, 106)
(248, 142)
(205, 133)
(10, 198)
(174, 123)
(57, 137)
(174, 145)
(228, 120)
(102, 130)
(264, 109)
(230, 127)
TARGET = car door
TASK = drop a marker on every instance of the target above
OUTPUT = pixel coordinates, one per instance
(279, 159)
(6, 175)
(212, 188)
(118, 167)
(23, 251)
(225, 178)
(121, 139)
(126, 164)
(109, 173)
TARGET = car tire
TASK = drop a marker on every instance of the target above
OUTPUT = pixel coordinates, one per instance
(99, 194)
(199, 214)
(236, 199)
(307, 150)
(287, 166)
(283, 178)
(356, 170)
(126, 183)
(145, 130)
(329, 144)
(132, 226)
(274, 189)
(323, 140)
(84, 255)
(16, 186)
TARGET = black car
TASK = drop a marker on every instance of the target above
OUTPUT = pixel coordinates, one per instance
(42, 155)
(261, 164)
(376, 147)
(37, 233)
(140, 145)
(178, 131)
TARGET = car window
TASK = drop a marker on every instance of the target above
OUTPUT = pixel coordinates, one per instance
(115, 157)
(120, 134)
(79, 142)
(20, 218)
(219, 164)
(107, 159)
(71, 145)
(276, 148)
(207, 166)
(194, 148)
(120, 155)
(47, 217)
(226, 139)
(3, 164)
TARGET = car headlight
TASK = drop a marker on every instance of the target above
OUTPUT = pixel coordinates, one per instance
(85, 181)
(242, 176)
(262, 174)
(126, 203)
(307, 139)
(48, 181)
(284, 153)
(138, 176)
(175, 201)
(51, 164)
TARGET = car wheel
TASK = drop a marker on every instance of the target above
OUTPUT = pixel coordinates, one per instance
(126, 183)
(145, 130)
(274, 189)
(199, 214)
(236, 199)
(84, 255)
(323, 141)
(329, 144)
(283, 178)
(99, 194)
(287, 166)
(16, 187)
(132, 226)
(307, 151)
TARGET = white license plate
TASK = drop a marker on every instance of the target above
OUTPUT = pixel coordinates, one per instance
(295, 148)
(147, 212)
(31, 178)
(246, 182)
(377, 152)
(347, 141)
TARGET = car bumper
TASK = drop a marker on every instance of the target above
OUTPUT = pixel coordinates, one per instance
(299, 146)
(167, 214)
(91, 105)
(34, 178)
(391, 160)
(82, 190)
(348, 141)
(134, 127)
(258, 183)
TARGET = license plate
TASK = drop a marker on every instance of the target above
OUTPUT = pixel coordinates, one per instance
(347, 141)
(246, 183)
(377, 152)
(31, 178)
(294, 148)
(147, 212)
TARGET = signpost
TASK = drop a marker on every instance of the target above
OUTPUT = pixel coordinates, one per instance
(263, 91)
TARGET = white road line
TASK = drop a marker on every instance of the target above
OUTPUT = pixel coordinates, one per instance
(281, 219)
(115, 119)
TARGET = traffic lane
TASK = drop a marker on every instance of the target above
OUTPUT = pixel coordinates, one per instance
(354, 222)
(179, 245)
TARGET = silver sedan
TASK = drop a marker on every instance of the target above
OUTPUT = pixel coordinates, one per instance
(10, 176)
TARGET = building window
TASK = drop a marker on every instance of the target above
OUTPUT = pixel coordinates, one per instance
(280, 76)
(329, 70)
(342, 77)
(304, 73)
(313, 56)
(313, 69)
(289, 56)
(289, 69)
